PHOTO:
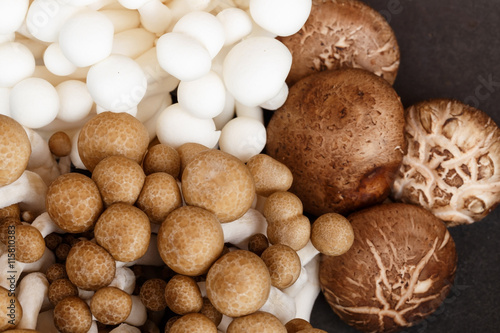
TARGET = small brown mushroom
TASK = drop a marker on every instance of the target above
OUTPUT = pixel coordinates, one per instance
(60, 289)
(108, 134)
(72, 315)
(332, 234)
(340, 34)
(12, 312)
(29, 243)
(10, 211)
(60, 144)
(258, 243)
(257, 322)
(110, 305)
(188, 151)
(399, 269)
(56, 271)
(193, 323)
(297, 324)
(119, 179)
(152, 294)
(183, 295)
(209, 310)
(238, 283)
(15, 147)
(162, 158)
(283, 264)
(269, 174)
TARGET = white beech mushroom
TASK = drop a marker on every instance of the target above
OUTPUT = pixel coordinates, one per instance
(451, 164)
(408, 261)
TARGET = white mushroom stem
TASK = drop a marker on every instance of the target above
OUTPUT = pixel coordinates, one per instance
(10, 270)
(150, 258)
(295, 288)
(29, 191)
(307, 253)
(86, 295)
(45, 225)
(306, 298)
(41, 159)
(138, 315)
(93, 327)
(238, 231)
(32, 289)
(45, 322)
(125, 328)
(281, 305)
(224, 323)
(124, 280)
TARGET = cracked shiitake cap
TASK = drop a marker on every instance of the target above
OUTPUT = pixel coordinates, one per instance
(108, 134)
(15, 148)
(124, 231)
(110, 305)
(73, 202)
(257, 322)
(340, 34)
(8, 299)
(193, 323)
(220, 183)
(190, 240)
(183, 295)
(72, 315)
(238, 283)
(399, 269)
(452, 166)
(341, 134)
(89, 266)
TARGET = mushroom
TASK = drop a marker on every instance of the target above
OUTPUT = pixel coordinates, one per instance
(124, 231)
(190, 240)
(75, 102)
(73, 315)
(60, 144)
(183, 295)
(269, 175)
(152, 294)
(110, 305)
(238, 283)
(16, 63)
(341, 134)
(60, 289)
(297, 324)
(340, 34)
(283, 264)
(332, 234)
(450, 165)
(73, 202)
(408, 261)
(258, 243)
(56, 271)
(14, 143)
(243, 137)
(220, 183)
(280, 305)
(90, 266)
(282, 18)
(210, 311)
(188, 151)
(28, 191)
(257, 322)
(12, 313)
(239, 232)
(41, 159)
(162, 158)
(108, 134)
(119, 179)
(24, 241)
(236, 23)
(193, 322)
(31, 292)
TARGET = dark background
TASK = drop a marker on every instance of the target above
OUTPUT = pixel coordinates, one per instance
(450, 48)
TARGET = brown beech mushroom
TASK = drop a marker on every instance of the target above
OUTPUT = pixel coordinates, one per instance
(188, 151)
(15, 147)
(190, 240)
(60, 144)
(162, 158)
(124, 231)
(119, 179)
(257, 322)
(220, 183)
(12, 312)
(209, 310)
(283, 264)
(89, 266)
(399, 269)
(341, 134)
(183, 295)
(297, 324)
(73, 202)
(238, 283)
(340, 34)
(110, 305)
(332, 234)
(60, 289)
(108, 134)
(452, 164)
(269, 175)
(152, 294)
(28, 243)
(193, 323)
(72, 315)
(258, 243)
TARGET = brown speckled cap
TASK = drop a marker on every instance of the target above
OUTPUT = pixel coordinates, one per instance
(152, 294)
(15, 148)
(258, 322)
(399, 269)
(343, 34)
(183, 295)
(110, 305)
(72, 315)
(193, 323)
(7, 299)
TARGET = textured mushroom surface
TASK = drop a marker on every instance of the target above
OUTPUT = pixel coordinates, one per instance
(452, 166)
(341, 133)
(340, 34)
(399, 269)
(110, 305)
(72, 315)
(258, 322)
(15, 148)
(12, 310)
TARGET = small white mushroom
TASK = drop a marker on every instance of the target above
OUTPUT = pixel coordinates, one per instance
(236, 23)
(155, 16)
(16, 63)
(122, 19)
(243, 137)
(277, 101)
(31, 292)
(75, 102)
(12, 13)
(133, 42)
(41, 159)
(29, 191)
(56, 62)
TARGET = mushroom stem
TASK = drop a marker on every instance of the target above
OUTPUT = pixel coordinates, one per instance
(29, 191)
(45, 225)
(138, 314)
(295, 288)
(238, 231)
(32, 290)
(305, 299)
(307, 253)
(124, 280)
(281, 305)
(10, 270)
(45, 322)
(41, 160)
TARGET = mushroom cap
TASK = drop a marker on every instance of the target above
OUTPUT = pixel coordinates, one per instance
(110, 305)
(343, 34)
(190, 240)
(220, 183)
(108, 134)
(56, 271)
(209, 310)
(10, 211)
(183, 295)
(124, 231)
(332, 234)
(294, 232)
(269, 175)
(8, 228)
(238, 283)
(12, 311)
(311, 330)
(258, 243)
(73, 202)
(119, 179)
(341, 134)
(60, 289)
(399, 269)
(72, 315)
(159, 196)
(15, 147)
(283, 264)
(257, 322)
(452, 163)
(162, 158)
(89, 266)
(152, 294)
(188, 151)
(193, 323)
(60, 144)
(282, 205)
(297, 324)
(29, 243)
